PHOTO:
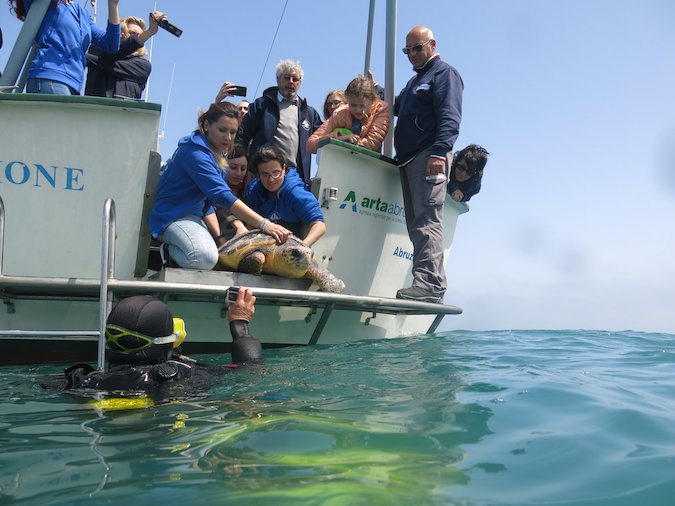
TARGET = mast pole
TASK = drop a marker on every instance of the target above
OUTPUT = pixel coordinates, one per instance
(369, 37)
(389, 71)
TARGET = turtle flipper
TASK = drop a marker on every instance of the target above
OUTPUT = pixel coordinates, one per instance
(326, 280)
(253, 263)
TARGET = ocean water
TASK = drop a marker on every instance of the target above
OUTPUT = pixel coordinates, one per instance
(465, 418)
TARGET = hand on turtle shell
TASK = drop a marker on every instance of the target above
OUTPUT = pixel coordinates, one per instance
(279, 233)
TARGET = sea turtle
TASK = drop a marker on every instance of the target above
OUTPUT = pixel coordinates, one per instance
(254, 252)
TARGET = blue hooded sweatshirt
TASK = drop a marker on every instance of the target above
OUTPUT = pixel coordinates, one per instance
(190, 184)
(292, 206)
(62, 41)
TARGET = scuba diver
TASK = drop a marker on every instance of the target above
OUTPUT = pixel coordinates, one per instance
(142, 339)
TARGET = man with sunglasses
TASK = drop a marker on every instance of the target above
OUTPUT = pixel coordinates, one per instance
(142, 341)
(429, 110)
(281, 118)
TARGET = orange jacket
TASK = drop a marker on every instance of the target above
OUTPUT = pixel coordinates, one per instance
(372, 133)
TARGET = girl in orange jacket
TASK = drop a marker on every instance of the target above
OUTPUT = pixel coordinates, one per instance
(365, 116)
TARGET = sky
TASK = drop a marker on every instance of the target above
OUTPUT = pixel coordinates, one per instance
(574, 99)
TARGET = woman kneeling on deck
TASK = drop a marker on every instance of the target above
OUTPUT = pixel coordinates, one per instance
(191, 183)
(280, 195)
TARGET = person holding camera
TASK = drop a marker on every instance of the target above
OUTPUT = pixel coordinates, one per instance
(64, 36)
(126, 72)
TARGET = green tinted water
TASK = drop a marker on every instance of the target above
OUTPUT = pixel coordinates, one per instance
(504, 418)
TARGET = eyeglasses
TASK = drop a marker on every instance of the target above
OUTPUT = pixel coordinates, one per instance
(416, 48)
(113, 335)
(271, 175)
(293, 79)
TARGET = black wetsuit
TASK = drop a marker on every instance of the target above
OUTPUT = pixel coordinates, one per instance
(178, 369)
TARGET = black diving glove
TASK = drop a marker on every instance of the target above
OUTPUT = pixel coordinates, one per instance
(245, 347)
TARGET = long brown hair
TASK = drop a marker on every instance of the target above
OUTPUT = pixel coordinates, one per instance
(215, 112)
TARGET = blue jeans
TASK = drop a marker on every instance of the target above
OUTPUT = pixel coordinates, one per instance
(190, 243)
(48, 87)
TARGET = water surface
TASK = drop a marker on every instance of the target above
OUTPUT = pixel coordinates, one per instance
(499, 418)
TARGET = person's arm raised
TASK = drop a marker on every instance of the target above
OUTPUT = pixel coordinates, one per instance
(153, 26)
(113, 12)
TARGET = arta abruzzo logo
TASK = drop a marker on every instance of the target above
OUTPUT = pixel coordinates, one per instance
(374, 206)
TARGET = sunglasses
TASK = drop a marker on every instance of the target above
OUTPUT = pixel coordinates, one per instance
(464, 168)
(416, 48)
(117, 337)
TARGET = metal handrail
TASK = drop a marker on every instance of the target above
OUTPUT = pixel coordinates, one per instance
(107, 273)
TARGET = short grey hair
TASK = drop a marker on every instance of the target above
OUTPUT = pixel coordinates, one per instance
(285, 66)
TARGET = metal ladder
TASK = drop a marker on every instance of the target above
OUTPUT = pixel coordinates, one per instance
(105, 293)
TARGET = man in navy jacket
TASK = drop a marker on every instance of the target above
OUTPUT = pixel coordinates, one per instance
(282, 119)
(429, 111)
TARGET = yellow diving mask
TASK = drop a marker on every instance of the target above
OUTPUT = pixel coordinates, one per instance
(179, 331)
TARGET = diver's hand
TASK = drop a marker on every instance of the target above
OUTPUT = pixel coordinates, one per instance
(244, 307)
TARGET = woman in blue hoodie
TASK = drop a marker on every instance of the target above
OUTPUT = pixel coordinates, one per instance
(191, 183)
(62, 41)
(280, 195)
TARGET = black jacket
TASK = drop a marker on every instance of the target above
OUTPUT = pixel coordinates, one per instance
(260, 125)
(117, 73)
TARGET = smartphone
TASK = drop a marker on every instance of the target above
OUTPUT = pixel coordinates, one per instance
(239, 91)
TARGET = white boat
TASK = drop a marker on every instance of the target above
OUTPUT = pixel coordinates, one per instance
(74, 196)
